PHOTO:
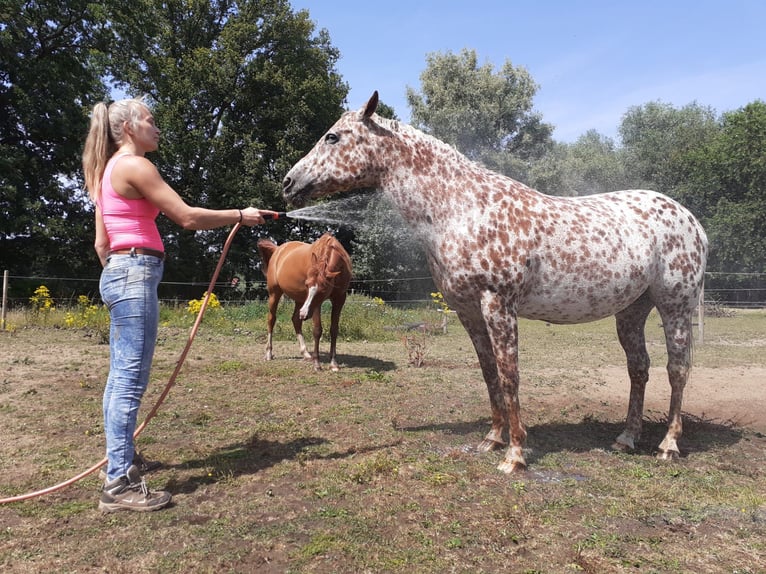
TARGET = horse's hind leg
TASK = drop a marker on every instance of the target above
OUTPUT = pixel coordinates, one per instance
(678, 340)
(271, 320)
(630, 330)
(298, 326)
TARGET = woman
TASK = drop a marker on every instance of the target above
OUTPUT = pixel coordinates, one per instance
(129, 193)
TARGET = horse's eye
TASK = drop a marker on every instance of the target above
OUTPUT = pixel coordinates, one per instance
(331, 138)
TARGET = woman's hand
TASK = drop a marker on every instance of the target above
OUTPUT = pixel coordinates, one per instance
(253, 216)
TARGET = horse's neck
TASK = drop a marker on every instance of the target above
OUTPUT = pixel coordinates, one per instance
(429, 175)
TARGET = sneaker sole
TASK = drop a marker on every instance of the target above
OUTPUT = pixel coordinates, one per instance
(109, 507)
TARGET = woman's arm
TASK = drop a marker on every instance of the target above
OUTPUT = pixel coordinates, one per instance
(102, 240)
(137, 176)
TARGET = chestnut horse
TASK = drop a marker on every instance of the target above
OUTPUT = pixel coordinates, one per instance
(499, 250)
(309, 274)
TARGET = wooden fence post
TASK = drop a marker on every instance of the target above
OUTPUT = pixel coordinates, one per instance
(5, 298)
(701, 315)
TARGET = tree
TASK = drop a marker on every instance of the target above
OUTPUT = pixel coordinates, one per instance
(241, 90)
(592, 164)
(735, 201)
(486, 116)
(48, 70)
(657, 142)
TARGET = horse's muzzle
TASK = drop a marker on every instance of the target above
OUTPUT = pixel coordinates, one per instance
(293, 196)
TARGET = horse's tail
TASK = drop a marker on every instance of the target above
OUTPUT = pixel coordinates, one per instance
(266, 248)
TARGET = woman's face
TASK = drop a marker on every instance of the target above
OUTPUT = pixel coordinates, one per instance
(146, 135)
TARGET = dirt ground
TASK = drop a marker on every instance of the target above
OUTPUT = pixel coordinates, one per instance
(733, 395)
(275, 468)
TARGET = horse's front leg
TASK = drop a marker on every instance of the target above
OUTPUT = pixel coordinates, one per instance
(317, 332)
(337, 305)
(477, 330)
(271, 320)
(304, 313)
(499, 315)
(494, 439)
(298, 326)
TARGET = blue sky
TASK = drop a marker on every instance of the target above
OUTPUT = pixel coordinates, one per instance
(592, 59)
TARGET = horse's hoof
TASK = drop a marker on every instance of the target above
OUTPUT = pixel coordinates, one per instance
(512, 467)
(625, 442)
(668, 455)
(622, 447)
(488, 445)
(334, 368)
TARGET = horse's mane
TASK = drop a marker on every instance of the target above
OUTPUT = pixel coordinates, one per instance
(381, 125)
(321, 254)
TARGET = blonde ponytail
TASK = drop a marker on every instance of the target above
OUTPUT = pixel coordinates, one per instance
(105, 137)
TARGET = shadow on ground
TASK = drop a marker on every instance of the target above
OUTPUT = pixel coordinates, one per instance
(254, 456)
(700, 435)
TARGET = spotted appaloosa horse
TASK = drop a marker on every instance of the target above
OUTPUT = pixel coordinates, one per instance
(499, 250)
(309, 274)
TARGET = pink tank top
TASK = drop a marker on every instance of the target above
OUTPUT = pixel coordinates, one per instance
(129, 222)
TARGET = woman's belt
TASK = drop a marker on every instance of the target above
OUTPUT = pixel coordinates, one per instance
(133, 251)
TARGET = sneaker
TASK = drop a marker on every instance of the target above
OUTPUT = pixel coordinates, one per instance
(131, 493)
(145, 466)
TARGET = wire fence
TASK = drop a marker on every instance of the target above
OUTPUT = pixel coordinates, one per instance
(738, 290)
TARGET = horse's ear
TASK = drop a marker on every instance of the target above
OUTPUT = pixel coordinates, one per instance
(372, 105)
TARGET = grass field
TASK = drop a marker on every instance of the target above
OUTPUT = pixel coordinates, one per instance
(276, 468)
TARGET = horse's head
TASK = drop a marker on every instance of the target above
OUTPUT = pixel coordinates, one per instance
(328, 261)
(343, 159)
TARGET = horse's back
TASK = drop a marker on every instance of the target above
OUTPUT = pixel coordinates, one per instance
(595, 255)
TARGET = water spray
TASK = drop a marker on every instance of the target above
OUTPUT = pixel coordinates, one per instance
(345, 212)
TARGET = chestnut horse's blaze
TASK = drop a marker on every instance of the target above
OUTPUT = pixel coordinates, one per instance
(499, 250)
(309, 274)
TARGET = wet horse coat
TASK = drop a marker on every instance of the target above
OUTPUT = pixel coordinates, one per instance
(499, 250)
(309, 274)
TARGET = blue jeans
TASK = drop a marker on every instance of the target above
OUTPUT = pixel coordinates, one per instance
(129, 290)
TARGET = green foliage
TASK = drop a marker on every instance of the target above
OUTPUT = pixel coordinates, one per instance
(48, 72)
(363, 318)
(486, 115)
(726, 187)
(657, 139)
(737, 232)
(592, 164)
(241, 89)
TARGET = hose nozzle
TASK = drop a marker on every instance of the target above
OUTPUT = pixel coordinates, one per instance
(277, 215)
